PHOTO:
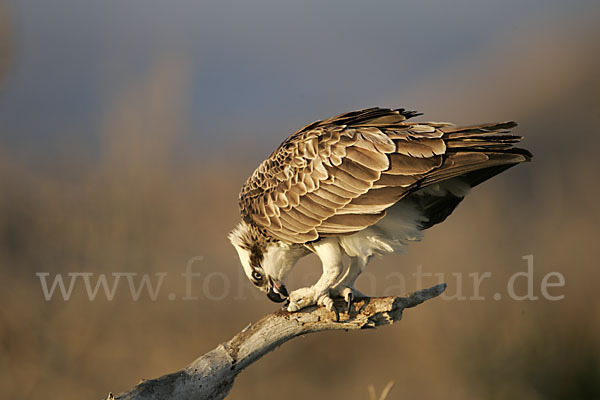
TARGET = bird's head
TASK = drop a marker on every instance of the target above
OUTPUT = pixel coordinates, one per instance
(261, 260)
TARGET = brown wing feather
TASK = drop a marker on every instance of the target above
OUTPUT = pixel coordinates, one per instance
(339, 175)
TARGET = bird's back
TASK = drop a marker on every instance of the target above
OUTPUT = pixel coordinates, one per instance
(338, 176)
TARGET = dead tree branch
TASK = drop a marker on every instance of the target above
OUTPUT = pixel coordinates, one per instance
(211, 376)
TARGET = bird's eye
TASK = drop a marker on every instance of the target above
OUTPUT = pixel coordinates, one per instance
(257, 275)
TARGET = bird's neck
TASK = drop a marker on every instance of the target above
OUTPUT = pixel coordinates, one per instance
(281, 258)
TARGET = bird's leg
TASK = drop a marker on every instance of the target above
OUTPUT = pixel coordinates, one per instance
(329, 252)
(345, 287)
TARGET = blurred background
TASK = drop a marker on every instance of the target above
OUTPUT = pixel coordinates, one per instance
(128, 127)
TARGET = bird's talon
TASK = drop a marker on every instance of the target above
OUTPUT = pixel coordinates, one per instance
(348, 293)
(328, 303)
(331, 307)
(350, 300)
(301, 298)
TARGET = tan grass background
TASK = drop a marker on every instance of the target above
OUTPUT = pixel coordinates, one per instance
(139, 207)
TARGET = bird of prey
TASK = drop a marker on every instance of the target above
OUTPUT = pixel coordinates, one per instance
(363, 183)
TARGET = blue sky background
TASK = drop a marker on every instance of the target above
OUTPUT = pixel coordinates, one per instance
(260, 69)
(127, 128)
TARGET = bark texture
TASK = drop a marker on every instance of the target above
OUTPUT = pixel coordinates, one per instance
(211, 376)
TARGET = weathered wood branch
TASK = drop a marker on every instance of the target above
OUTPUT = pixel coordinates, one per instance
(211, 376)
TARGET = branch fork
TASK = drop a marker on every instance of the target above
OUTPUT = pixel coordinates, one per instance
(211, 376)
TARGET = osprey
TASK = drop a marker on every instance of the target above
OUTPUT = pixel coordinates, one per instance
(362, 184)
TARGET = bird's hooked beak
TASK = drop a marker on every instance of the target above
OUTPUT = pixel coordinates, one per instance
(277, 291)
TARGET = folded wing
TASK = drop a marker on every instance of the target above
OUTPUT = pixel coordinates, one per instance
(338, 176)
